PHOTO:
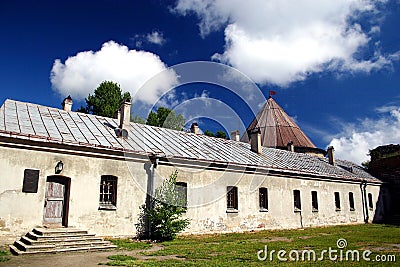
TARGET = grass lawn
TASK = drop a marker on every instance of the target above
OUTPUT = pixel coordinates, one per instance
(241, 248)
(4, 256)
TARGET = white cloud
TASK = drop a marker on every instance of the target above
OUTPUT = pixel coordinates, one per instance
(355, 141)
(281, 42)
(155, 38)
(81, 74)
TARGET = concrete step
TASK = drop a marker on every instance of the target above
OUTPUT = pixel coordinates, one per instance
(14, 250)
(29, 241)
(42, 247)
(57, 231)
(55, 236)
(42, 240)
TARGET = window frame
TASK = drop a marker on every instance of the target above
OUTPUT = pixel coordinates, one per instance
(314, 201)
(263, 199)
(370, 202)
(232, 199)
(181, 188)
(337, 201)
(104, 195)
(351, 201)
(297, 200)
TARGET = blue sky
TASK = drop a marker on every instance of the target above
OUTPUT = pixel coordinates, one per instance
(334, 64)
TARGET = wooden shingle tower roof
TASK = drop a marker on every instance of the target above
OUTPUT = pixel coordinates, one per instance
(277, 128)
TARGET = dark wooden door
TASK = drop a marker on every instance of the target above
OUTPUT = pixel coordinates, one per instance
(55, 206)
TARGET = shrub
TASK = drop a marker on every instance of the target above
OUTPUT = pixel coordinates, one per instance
(166, 209)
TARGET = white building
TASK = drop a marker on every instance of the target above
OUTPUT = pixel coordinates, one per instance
(73, 169)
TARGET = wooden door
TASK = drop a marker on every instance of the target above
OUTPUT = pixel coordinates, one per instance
(55, 205)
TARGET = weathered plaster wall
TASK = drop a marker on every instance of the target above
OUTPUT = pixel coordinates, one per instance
(207, 201)
(20, 212)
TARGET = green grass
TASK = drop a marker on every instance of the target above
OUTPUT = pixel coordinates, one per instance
(121, 260)
(129, 244)
(4, 256)
(241, 249)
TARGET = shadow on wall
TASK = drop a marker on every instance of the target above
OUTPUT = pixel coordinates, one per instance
(382, 206)
(385, 165)
(143, 226)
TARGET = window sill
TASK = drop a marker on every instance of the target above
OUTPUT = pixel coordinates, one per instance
(232, 211)
(107, 207)
(263, 210)
(337, 209)
(352, 209)
(297, 210)
(314, 210)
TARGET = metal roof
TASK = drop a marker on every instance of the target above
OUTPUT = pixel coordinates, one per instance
(40, 123)
(277, 128)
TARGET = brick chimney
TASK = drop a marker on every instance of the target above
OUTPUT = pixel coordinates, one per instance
(235, 135)
(331, 155)
(194, 128)
(124, 117)
(67, 103)
(290, 146)
(255, 140)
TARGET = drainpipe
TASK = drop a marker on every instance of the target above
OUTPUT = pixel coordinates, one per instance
(363, 186)
(301, 220)
(153, 178)
(152, 187)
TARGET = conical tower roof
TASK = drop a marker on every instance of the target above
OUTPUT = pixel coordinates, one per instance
(277, 128)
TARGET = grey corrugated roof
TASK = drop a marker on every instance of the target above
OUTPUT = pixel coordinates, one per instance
(36, 122)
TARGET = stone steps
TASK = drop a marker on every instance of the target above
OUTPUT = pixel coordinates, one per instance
(54, 240)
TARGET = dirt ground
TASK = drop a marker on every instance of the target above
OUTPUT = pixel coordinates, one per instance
(57, 260)
(89, 259)
(75, 259)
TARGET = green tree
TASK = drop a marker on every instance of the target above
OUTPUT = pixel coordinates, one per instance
(218, 134)
(365, 164)
(166, 209)
(221, 134)
(106, 100)
(138, 119)
(166, 118)
(209, 133)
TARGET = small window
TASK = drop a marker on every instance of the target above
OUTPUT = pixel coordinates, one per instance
(263, 193)
(108, 192)
(181, 190)
(351, 201)
(31, 181)
(296, 198)
(232, 198)
(370, 203)
(337, 201)
(314, 201)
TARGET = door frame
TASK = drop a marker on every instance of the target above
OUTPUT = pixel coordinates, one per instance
(66, 181)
